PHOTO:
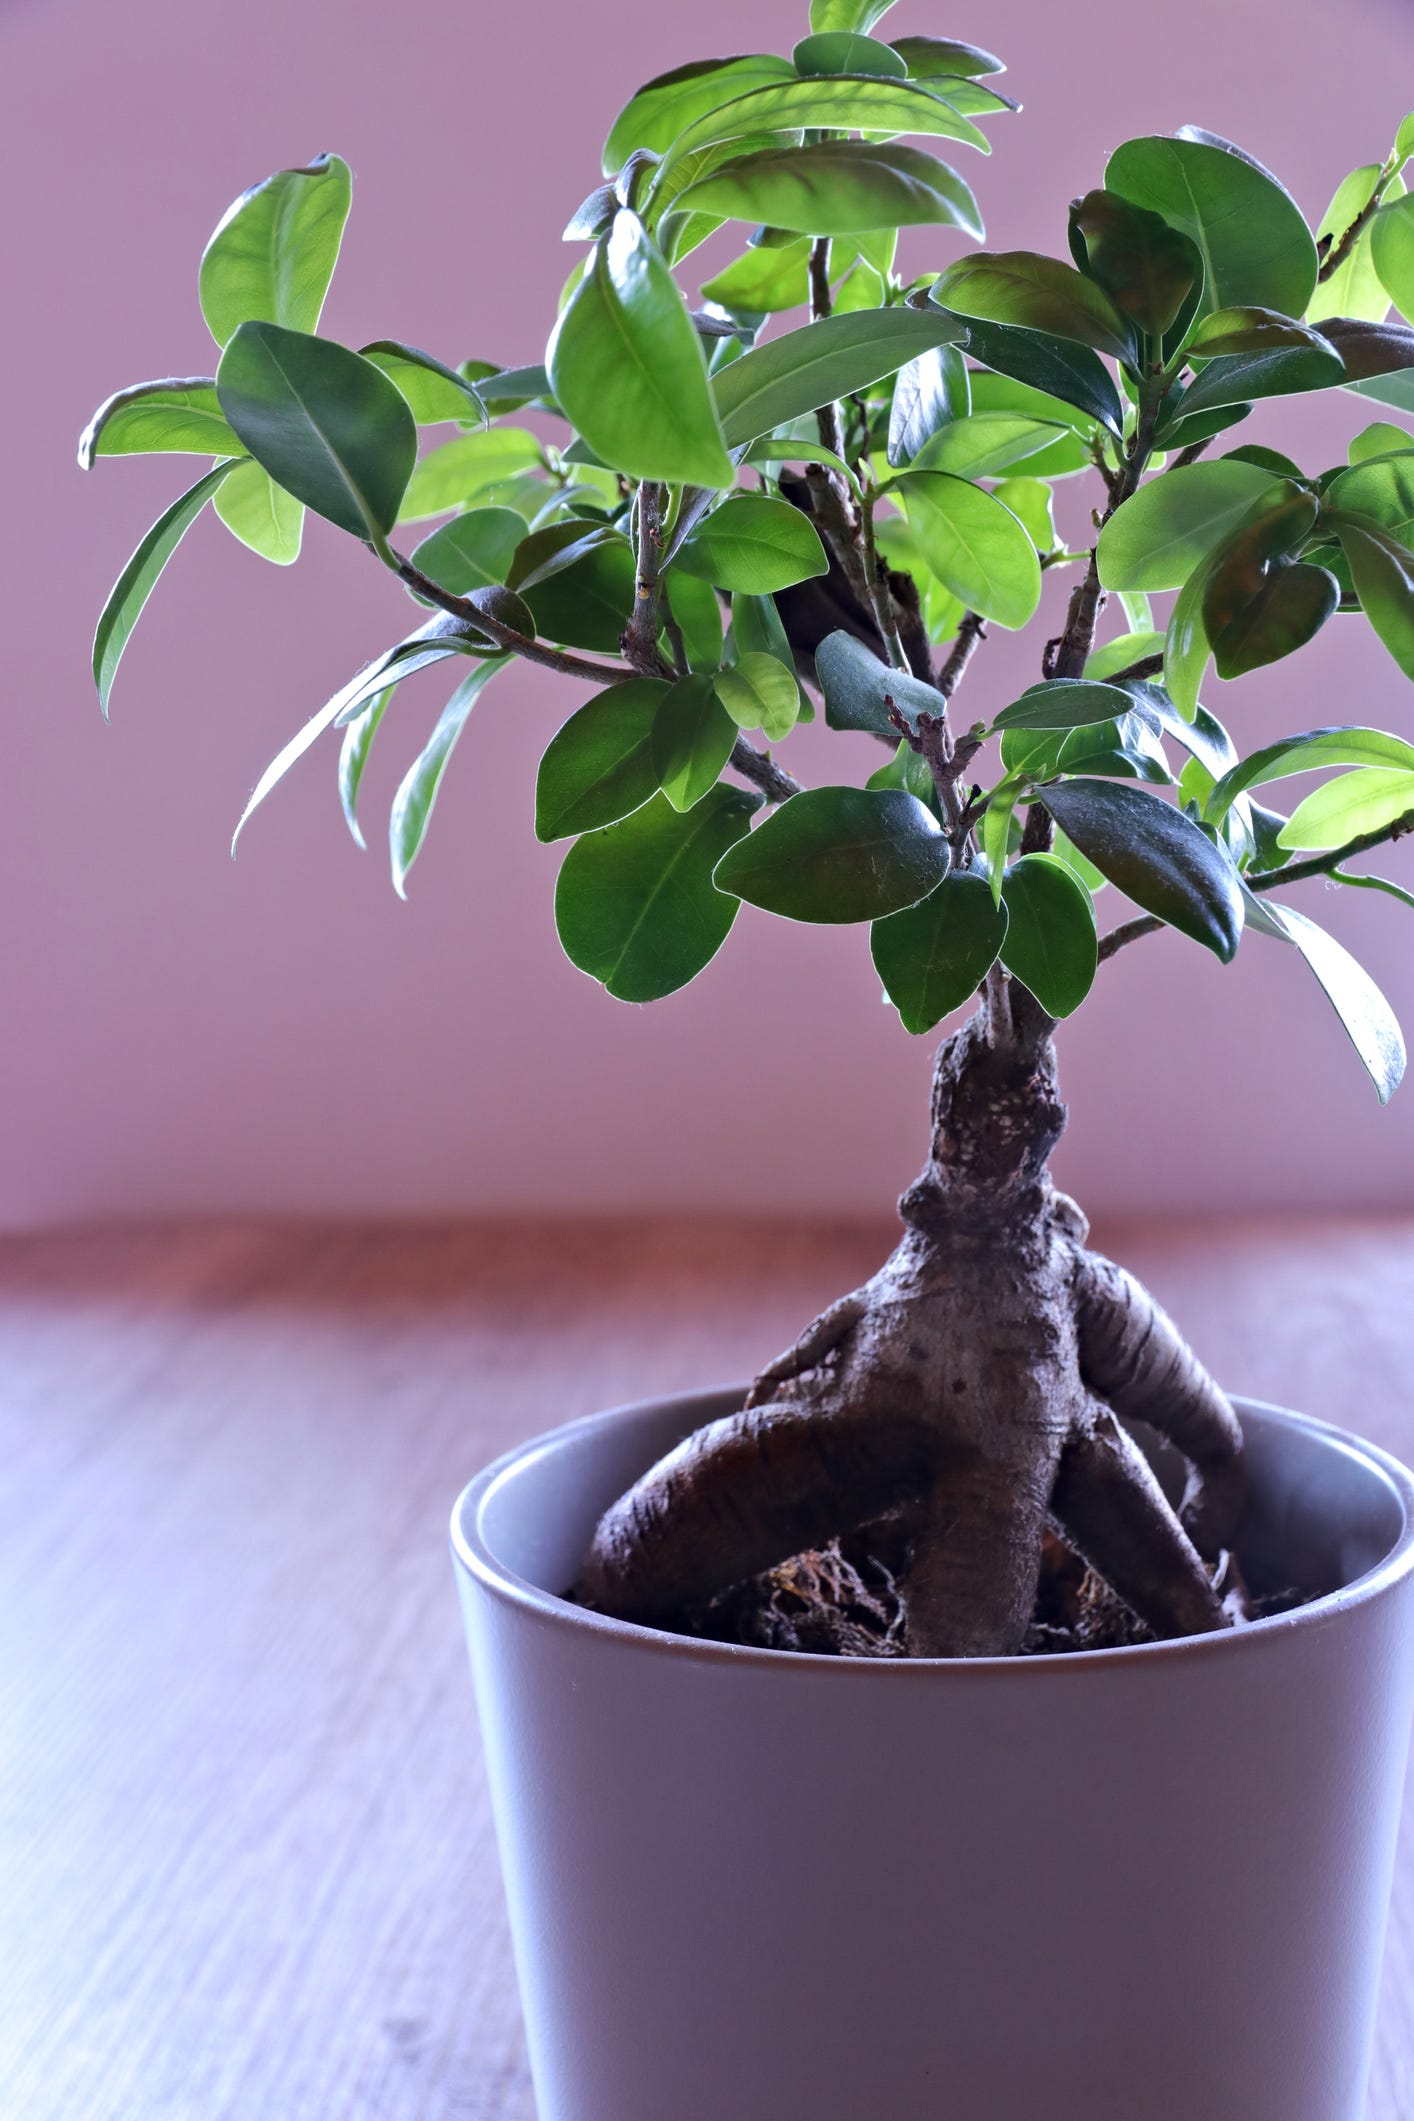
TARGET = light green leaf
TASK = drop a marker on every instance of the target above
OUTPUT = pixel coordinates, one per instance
(763, 280)
(1256, 248)
(792, 375)
(697, 614)
(1352, 804)
(139, 578)
(1377, 440)
(353, 757)
(465, 468)
(473, 551)
(757, 629)
(839, 854)
(1365, 1015)
(664, 106)
(994, 832)
(1031, 501)
(754, 543)
(434, 392)
(692, 740)
(1187, 649)
(932, 957)
(1392, 252)
(1354, 289)
(325, 424)
(1307, 753)
(1124, 649)
(178, 414)
(1383, 573)
(974, 545)
(1383, 490)
(758, 692)
(417, 792)
(835, 188)
(599, 767)
(635, 905)
(858, 15)
(1051, 944)
(860, 289)
(261, 514)
(274, 250)
(1021, 288)
(859, 103)
(981, 444)
(1158, 536)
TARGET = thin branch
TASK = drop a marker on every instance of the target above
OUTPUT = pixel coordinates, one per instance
(758, 767)
(1148, 666)
(573, 666)
(970, 633)
(827, 417)
(876, 582)
(1191, 455)
(640, 639)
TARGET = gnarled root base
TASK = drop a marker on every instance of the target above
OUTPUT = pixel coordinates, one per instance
(972, 1394)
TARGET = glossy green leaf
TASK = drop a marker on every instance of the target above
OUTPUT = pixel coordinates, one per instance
(974, 545)
(434, 392)
(1354, 289)
(692, 740)
(995, 832)
(473, 551)
(1234, 379)
(275, 248)
(418, 790)
(579, 587)
(1306, 752)
(627, 366)
(1392, 252)
(1051, 943)
(1366, 800)
(763, 280)
(843, 51)
(261, 514)
(1256, 248)
(1147, 268)
(664, 106)
(838, 15)
(326, 425)
(932, 957)
(754, 543)
(353, 757)
(839, 854)
(1249, 330)
(930, 58)
(465, 468)
(1259, 602)
(179, 414)
(929, 391)
(758, 692)
(790, 376)
(1025, 290)
(835, 187)
(859, 688)
(981, 444)
(1382, 489)
(1064, 703)
(1383, 572)
(757, 629)
(1059, 368)
(1155, 855)
(599, 767)
(1366, 1017)
(635, 904)
(859, 103)
(139, 578)
(1158, 536)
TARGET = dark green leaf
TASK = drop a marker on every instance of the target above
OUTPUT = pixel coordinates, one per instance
(353, 757)
(1147, 268)
(1377, 357)
(847, 52)
(1365, 1015)
(325, 424)
(139, 578)
(1064, 703)
(929, 390)
(261, 514)
(587, 602)
(692, 740)
(274, 250)
(754, 543)
(472, 551)
(1058, 367)
(839, 854)
(599, 767)
(178, 414)
(627, 366)
(1255, 245)
(1234, 379)
(835, 187)
(635, 905)
(858, 687)
(1050, 943)
(930, 57)
(433, 391)
(803, 369)
(1251, 621)
(560, 545)
(417, 792)
(1025, 290)
(1251, 331)
(664, 106)
(1155, 855)
(974, 545)
(1157, 538)
(932, 957)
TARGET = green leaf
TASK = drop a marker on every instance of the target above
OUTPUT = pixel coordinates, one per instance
(627, 366)
(579, 586)
(1250, 331)
(1378, 440)
(1382, 489)
(1365, 1015)
(1147, 268)
(1155, 855)
(1392, 252)
(848, 52)
(1354, 289)
(757, 629)
(693, 737)
(1050, 945)
(1059, 368)
(1307, 753)
(599, 767)
(763, 280)
(698, 615)
(179, 414)
(1063, 850)
(803, 369)
(1352, 804)
(417, 791)
(434, 392)
(1187, 649)
(664, 106)
(932, 957)
(860, 15)
(261, 514)
(465, 468)
(935, 58)
(858, 687)
(274, 250)
(1236, 379)
(851, 104)
(635, 904)
(981, 444)
(754, 543)
(1031, 501)
(139, 578)
(1124, 649)
(1256, 248)
(974, 545)
(1383, 573)
(324, 423)
(473, 551)
(758, 692)
(1158, 536)
(1064, 703)
(994, 832)
(353, 757)
(1025, 290)
(836, 187)
(839, 854)
(929, 391)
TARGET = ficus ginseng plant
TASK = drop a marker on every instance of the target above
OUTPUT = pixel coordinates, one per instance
(829, 482)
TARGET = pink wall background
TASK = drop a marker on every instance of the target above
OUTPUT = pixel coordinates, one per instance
(184, 1032)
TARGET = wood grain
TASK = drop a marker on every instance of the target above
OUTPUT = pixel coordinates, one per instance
(246, 1868)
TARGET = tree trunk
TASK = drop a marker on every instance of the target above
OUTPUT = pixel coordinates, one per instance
(973, 1383)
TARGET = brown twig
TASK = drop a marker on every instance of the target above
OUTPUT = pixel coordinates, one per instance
(758, 767)
(533, 651)
(970, 633)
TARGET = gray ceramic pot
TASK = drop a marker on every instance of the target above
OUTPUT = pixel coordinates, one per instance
(747, 1886)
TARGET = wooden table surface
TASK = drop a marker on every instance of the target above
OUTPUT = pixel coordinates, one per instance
(246, 1864)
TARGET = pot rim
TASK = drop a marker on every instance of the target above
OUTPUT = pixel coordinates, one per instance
(472, 1553)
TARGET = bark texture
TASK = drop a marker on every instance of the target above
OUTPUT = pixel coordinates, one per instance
(971, 1389)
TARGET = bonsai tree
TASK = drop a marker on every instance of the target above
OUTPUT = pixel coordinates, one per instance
(819, 492)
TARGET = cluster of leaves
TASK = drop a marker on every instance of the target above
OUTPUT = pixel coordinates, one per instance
(893, 457)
